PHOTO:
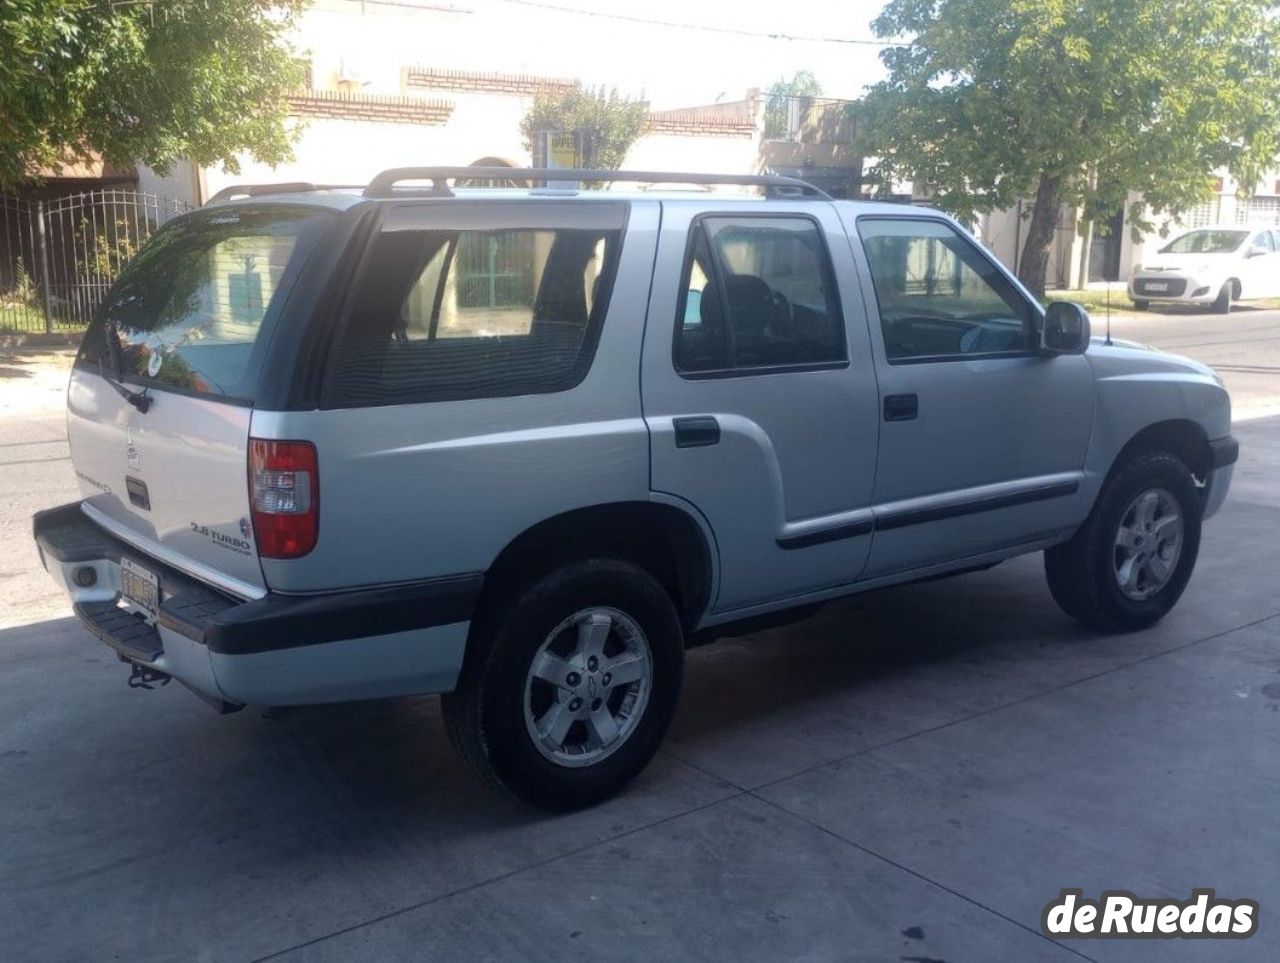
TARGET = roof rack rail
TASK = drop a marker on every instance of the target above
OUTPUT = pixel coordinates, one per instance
(285, 187)
(384, 185)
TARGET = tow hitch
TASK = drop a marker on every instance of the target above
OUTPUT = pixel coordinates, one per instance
(141, 677)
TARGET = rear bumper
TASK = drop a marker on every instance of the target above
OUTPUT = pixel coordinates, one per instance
(276, 650)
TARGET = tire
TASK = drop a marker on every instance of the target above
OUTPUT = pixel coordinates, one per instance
(489, 717)
(1140, 305)
(1084, 574)
(1222, 303)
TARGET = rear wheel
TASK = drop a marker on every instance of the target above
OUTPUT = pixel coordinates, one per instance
(580, 680)
(1222, 303)
(1131, 560)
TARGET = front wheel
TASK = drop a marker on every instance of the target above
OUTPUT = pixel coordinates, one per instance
(580, 680)
(1131, 559)
(1222, 303)
(1139, 305)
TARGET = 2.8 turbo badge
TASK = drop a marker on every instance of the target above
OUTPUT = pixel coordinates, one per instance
(236, 544)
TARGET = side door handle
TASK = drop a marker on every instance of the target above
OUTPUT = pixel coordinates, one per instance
(698, 432)
(901, 407)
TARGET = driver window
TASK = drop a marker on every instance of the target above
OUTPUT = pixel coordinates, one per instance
(1263, 242)
(939, 296)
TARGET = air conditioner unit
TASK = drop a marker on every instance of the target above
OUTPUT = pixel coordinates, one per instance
(351, 72)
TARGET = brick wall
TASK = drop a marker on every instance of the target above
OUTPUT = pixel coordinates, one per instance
(524, 85)
(340, 105)
(698, 128)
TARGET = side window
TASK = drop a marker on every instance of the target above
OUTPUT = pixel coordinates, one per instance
(1263, 242)
(450, 314)
(939, 296)
(758, 293)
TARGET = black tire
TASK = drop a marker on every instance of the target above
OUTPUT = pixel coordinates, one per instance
(1080, 572)
(485, 715)
(1140, 305)
(1222, 303)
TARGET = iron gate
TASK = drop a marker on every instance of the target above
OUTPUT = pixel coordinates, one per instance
(59, 256)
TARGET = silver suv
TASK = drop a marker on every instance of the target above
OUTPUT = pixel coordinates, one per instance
(523, 446)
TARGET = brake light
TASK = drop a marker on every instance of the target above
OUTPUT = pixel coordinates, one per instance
(284, 494)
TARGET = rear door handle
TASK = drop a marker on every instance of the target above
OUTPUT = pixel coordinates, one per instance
(901, 407)
(697, 432)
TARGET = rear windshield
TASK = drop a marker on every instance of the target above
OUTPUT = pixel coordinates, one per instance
(1206, 242)
(189, 312)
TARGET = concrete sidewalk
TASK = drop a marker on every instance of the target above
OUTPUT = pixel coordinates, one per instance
(909, 775)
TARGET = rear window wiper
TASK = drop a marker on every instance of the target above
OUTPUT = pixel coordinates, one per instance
(139, 399)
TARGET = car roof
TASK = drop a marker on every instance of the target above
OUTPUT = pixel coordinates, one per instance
(1227, 227)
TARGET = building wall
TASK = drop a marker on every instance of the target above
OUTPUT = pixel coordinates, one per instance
(703, 153)
(370, 107)
(182, 183)
(351, 150)
(1003, 231)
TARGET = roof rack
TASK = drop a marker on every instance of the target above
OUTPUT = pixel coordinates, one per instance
(384, 185)
(286, 187)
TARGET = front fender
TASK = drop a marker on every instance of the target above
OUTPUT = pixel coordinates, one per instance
(1138, 388)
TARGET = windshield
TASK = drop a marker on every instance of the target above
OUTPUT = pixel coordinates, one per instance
(188, 311)
(1205, 242)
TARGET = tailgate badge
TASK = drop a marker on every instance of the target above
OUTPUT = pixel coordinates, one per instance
(131, 451)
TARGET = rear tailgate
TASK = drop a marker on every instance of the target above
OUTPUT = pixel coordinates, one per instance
(188, 324)
(175, 477)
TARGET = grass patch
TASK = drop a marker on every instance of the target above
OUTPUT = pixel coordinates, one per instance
(21, 318)
(16, 318)
(1093, 301)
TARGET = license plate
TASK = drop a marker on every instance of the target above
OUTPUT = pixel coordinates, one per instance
(140, 587)
(1157, 285)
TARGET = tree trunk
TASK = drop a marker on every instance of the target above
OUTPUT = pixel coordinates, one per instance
(1034, 263)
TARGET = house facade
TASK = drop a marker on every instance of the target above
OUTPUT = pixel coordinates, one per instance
(399, 85)
(1113, 251)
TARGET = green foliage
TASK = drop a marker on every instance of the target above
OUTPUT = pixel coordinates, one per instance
(604, 122)
(1076, 102)
(113, 247)
(801, 84)
(24, 291)
(143, 82)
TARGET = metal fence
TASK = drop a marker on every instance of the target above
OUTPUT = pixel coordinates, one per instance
(59, 256)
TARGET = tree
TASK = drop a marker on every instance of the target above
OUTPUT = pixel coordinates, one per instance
(604, 123)
(1077, 103)
(143, 82)
(778, 97)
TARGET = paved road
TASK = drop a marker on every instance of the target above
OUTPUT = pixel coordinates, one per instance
(909, 775)
(1243, 346)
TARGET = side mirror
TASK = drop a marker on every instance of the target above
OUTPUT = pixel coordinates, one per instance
(1066, 329)
(1257, 252)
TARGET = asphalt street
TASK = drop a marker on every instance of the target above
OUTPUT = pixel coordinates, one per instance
(912, 774)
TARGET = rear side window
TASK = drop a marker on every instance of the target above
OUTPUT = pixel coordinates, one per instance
(188, 313)
(758, 292)
(451, 313)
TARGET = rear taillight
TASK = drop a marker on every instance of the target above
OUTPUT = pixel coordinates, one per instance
(284, 492)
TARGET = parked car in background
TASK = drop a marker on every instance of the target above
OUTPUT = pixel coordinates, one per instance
(523, 447)
(1211, 265)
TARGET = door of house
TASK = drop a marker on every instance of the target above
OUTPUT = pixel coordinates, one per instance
(1104, 253)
